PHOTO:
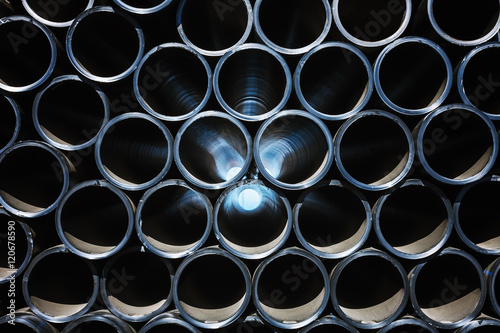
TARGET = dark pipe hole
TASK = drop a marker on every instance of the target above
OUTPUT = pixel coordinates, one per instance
(93, 326)
(61, 11)
(60, 284)
(373, 149)
(408, 329)
(70, 112)
(211, 28)
(170, 328)
(252, 82)
(484, 329)
(331, 215)
(463, 20)
(413, 219)
(105, 44)
(31, 179)
(478, 213)
(173, 216)
(334, 81)
(173, 82)
(292, 24)
(26, 53)
(372, 20)
(136, 150)
(457, 144)
(413, 75)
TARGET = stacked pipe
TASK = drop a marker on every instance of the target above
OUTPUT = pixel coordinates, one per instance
(249, 166)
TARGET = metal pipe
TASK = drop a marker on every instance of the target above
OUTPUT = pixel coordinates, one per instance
(252, 82)
(491, 274)
(137, 285)
(251, 220)
(290, 288)
(293, 149)
(481, 325)
(477, 79)
(212, 288)
(408, 324)
(213, 150)
(414, 220)
(448, 290)
(10, 127)
(142, 7)
(413, 75)
(462, 23)
(251, 323)
(372, 23)
(214, 28)
(29, 53)
(169, 321)
(173, 219)
(94, 219)
(334, 80)
(25, 321)
(33, 178)
(17, 247)
(98, 321)
(332, 220)
(59, 286)
(369, 289)
(57, 14)
(104, 45)
(475, 214)
(292, 26)
(456, 144)
(173, 82)
(134, 151)
(69, 113)
(329, 324)
(374, 150)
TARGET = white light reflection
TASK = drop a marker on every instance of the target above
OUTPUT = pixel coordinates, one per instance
(249, 199)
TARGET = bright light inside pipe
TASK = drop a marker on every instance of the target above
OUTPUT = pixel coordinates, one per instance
(232, 173)
(249, 199)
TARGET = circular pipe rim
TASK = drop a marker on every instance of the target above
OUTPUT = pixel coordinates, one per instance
(408, 321)
(29, 251)
(363, 253)
(53, 54)
(277, 56)
(298, 86)
(138, 220)
(168, 318)
(219, 252)
(143, 102)
(100, 184)
(461, 71)
(220, 238)
(451, 325)
(377, 208)
(214, 53)
(304, 183)
(420, 137)
(104, 292)
(448, 38)
(378, 113)
(99, 316)
(479, 322)
(327, 255)
(400, 109)
(491, 274)
(127, 116)
(292, 51)
(258, 272)
(142, 11)
(65, 170)
(50, 23)
(30, 320)
(76, 64)
(17, 128)
(41, 132)
(55, 250)
(456, 213)
(329, 320)
(364, 43)
(198, 182)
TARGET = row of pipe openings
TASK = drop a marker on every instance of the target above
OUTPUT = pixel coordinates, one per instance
(290, 290)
